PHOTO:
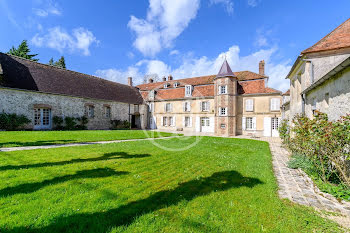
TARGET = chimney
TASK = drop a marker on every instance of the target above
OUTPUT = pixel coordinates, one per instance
(262, 67)
(150, 80)
(130, 81)
(170, 78)
(164, 79)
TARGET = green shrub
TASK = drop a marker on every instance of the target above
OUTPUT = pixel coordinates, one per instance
(284, 131)
(324, 143)
(121, 125)
(12, 121)
(70, 123)
(58, 122)
(83, 121)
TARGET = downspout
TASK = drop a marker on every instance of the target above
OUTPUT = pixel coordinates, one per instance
(129, 117)
(303, 96)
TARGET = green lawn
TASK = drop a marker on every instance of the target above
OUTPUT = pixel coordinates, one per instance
(40, 138)
(219, 185)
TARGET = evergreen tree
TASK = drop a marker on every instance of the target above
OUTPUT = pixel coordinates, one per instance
(61, 63)
(23, 51)
(51, 62)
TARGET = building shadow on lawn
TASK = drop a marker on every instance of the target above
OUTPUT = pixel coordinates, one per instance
(32, 187)
(36, 143)
(127, 214)
(107, 156)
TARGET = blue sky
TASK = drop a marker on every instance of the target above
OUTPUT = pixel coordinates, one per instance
(117, 38)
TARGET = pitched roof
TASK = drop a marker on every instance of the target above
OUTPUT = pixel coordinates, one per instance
(28, 75)
(287, 92)
(255, 87)
(202, 80)
(337, 39)
(225, 70)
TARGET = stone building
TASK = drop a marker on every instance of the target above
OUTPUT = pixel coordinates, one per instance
(227, 104)
(41, 92)
(320, 77)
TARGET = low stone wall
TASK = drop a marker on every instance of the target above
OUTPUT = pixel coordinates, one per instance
(23, 102)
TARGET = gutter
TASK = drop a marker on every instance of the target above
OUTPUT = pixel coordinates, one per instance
(330, 74)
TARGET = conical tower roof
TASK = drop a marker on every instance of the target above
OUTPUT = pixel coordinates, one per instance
(225, 71)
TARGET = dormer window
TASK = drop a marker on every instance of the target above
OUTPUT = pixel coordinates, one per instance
(151, 94)
(188, 90)
(166, 85)
(176, 84)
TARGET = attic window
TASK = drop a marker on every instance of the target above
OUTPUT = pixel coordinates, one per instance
(176, 84)
(166, 85)
(188, 90)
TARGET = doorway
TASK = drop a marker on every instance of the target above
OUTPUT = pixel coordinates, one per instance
(42, 118)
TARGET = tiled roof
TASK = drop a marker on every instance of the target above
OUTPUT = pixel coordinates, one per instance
(28, 75)
(287, 92)
(337, 39)
(202, 80)
(255, 87)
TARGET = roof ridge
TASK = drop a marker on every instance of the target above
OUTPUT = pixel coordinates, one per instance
(326, 36)
(59, 68)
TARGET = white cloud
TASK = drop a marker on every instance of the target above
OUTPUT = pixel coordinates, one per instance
(57, 38)
(228, 4)
(166, 20)
(174, 52)
(197, 66)
(49, 8)
(253, 3)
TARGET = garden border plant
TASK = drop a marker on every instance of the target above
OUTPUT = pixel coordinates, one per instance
(12, 121)
(322, 149)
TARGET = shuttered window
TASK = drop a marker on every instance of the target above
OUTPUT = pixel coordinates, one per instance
(249, 105)
(275, 104)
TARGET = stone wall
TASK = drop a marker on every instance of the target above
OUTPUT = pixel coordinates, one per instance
(337, 91)
(22, 102)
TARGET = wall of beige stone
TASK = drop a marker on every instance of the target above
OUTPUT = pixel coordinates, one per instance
(260, 111)
(338, 89)
(179, 114)
(22, 102)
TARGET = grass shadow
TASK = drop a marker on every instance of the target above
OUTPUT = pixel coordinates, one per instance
(106, 156)
(32, 187)
(35, 143)
(127, 214)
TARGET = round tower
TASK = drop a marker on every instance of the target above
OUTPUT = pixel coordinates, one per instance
(225, 101)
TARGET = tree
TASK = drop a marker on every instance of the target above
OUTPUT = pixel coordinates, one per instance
(51, 62)
(60, 63)
(23, 51)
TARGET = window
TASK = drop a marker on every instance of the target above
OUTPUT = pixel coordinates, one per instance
(107, 111)
(249, 123)
(249, 105)
(188, 90)
(168, 107)
(136, 108)
(165, 122)
(275, 104)
(205, 121)
(176, 84)
(223, 89)
(166, 85)
(42, 118)
(188, 122)
(172, 121)
(205, 106)
(151, 94)
(90, 111)
(222, 111)
(187, 106)
(222, 126)
(151, 107)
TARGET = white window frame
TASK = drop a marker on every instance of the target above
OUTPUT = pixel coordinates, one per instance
(222, 111)
(249, 105)
(165, 121)
(187, 106)
(222, 89)
(108, 111)
(171, 121)
(188, 90)
(187, 121)
(90, 111)
(249, 123)
(176, 84)
(166, 85)
(168, 109)
(275, 104)
(205, 106)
